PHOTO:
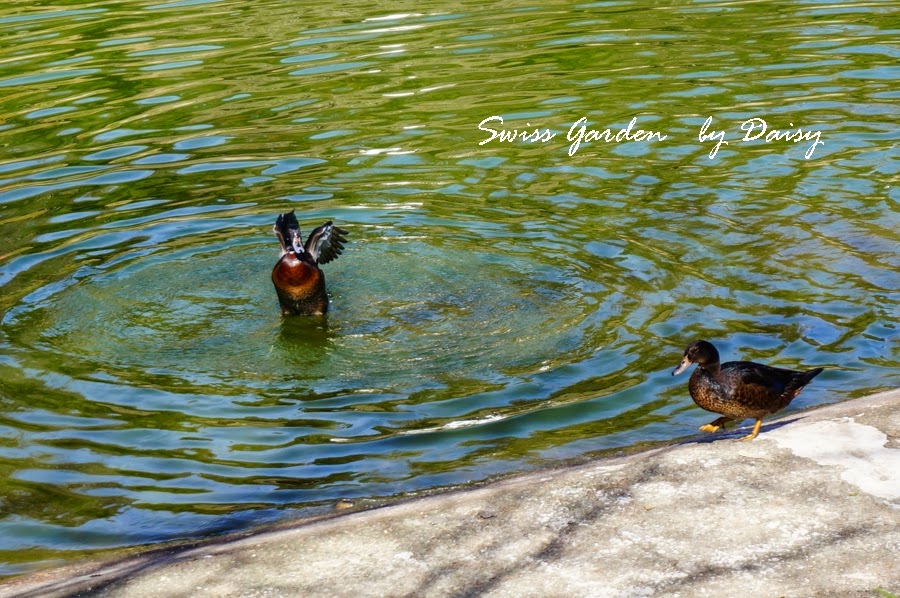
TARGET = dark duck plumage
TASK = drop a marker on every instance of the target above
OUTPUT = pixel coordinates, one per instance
(739, 389)
(298, 280)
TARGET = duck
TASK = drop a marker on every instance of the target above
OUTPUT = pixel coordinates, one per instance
(739, 389)
(298, 279)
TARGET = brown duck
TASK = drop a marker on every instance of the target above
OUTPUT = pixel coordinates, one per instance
(739, 389)
(298, 280)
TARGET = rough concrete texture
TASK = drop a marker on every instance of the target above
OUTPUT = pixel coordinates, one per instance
(810, 508)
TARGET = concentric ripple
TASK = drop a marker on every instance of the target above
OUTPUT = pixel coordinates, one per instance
(404, 310)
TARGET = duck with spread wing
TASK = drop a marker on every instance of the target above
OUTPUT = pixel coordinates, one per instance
(298, 280)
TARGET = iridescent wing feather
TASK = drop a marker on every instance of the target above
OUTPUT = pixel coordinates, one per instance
(326, 243)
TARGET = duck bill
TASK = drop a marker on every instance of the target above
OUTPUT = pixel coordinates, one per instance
(685, 363)
(296, 241)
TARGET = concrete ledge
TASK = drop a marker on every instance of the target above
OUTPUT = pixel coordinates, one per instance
(810, 508)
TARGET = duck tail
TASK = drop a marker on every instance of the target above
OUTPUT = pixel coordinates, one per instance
(799, 382)
(808, 375)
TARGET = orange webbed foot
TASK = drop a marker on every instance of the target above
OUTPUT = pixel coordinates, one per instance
(714, 426)
(755, 431)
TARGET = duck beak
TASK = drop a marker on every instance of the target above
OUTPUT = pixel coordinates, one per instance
(685, 363)
(296, 241)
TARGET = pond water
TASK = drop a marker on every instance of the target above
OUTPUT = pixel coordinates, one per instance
(500, 306)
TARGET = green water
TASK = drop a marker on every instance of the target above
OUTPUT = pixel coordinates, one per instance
(500, 305)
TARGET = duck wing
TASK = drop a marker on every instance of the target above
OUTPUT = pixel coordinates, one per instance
(764, 387)
(325, 243)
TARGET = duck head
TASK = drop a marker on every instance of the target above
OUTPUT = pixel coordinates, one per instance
(700, 352)
(287, 229)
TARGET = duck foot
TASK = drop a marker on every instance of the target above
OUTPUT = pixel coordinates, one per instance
(755, 431)
(715, 425)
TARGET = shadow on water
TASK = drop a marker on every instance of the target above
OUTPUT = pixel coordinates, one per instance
(304, 340)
